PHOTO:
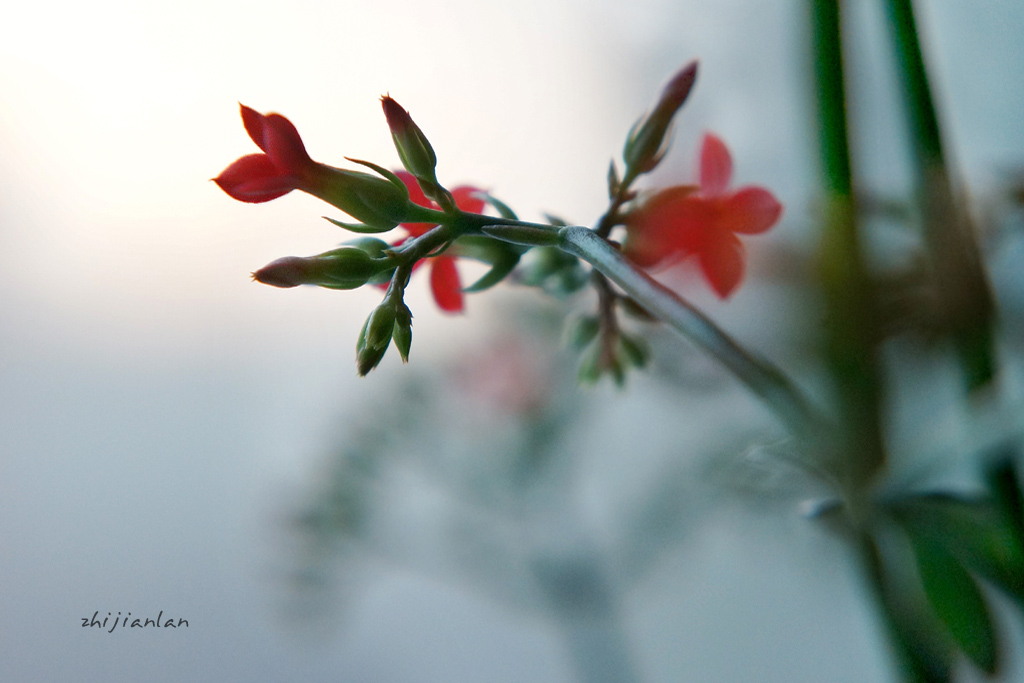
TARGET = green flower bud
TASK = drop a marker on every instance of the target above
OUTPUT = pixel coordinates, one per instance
(413, 147)
(403, 331)
(380, 326)
(367, 359)
(345, 268)
(375, 337)
(645, 143)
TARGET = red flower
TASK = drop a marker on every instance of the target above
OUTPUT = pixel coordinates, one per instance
(285, 166)
(444, 276)
(279, 170)
(703, 221)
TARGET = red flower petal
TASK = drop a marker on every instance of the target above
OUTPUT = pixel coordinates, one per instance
(254, 178)
(445, 284)
(415, 191)
(715, 166)
(721, 260)
(254, 124)
(466, 199)
(652, 231)
(278, 138)
(750, 211)
(283, 145)
(417, 197)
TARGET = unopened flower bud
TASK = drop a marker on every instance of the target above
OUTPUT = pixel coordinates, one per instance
(413, 147)
(375, 337)
(380, 326)
(368, 358)
(403, 331)
(345, 268)
(645, 144)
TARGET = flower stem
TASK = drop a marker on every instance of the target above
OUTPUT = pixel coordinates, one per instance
(759, 375)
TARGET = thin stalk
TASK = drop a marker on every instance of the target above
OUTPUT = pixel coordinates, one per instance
(764, 379)
(852, 324)
(958, 270)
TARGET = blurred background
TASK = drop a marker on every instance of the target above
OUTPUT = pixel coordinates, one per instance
(176, 438)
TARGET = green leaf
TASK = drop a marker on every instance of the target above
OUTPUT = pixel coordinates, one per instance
(973, 531)
(524, 235)
(1004, 481)
(634, 349)
(920, 643)
(394, 179)
(582, 331)
(495, 275)
(614, 182)
(501, 207)
(358, 227)
(501, 256)
(956, 598)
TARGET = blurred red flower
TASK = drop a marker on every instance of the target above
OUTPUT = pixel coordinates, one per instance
(702, 221)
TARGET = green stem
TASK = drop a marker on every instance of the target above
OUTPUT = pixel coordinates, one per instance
(761, 377)
(920, 108)
(852, 325)
(450, 227)
(959, 273)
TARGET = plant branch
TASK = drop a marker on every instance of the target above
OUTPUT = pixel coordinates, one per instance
(759, 375)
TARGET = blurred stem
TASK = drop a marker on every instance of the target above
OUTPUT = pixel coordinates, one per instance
(759, 375)
(580, 597)
(958, 270)
(608, 321)
(852, 327)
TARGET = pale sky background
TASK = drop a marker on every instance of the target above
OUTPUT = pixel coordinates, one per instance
(157, 408)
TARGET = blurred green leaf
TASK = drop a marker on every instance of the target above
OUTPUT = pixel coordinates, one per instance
(501, 207)
(582, 331)
(1004, 482)
(920, 644)
(973, 531)
(614, 182)
(501, 256)
(957, 599)
(634, 349)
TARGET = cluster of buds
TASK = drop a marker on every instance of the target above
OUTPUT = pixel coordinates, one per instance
(444, 225)
(391, 320)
